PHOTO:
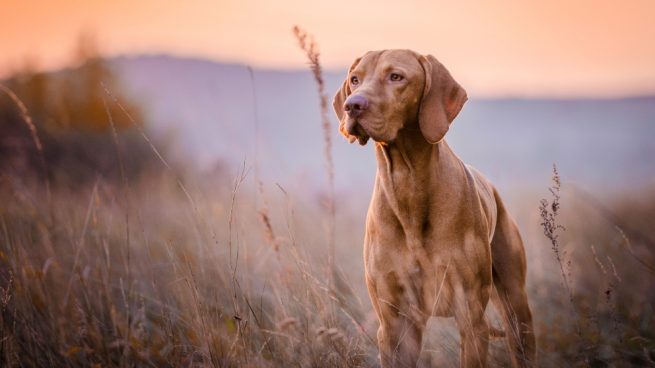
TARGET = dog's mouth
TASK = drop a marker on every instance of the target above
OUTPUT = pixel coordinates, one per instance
(356, 131)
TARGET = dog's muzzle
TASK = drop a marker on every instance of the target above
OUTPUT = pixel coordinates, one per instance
(354, 129)
(355, 106)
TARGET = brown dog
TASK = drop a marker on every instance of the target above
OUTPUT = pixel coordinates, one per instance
(439, 241)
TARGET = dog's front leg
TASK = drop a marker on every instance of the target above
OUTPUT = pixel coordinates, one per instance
(401, 323)
(399, 340)
(473, 332)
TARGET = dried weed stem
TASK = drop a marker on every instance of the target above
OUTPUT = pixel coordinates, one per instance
(308, 45)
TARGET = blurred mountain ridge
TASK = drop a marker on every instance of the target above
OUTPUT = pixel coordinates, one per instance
(209, 109)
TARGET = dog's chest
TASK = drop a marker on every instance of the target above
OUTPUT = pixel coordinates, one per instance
(405, 195)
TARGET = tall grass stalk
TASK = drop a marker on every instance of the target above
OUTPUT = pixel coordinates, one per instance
(549, 212)
(34, 133)
(128, 251)
(308, 45)
(260, 196)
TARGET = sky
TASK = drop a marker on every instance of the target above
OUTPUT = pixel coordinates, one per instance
(556, 48)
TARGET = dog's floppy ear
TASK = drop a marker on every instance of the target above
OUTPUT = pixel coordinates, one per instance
(340, 98)
(442, 100)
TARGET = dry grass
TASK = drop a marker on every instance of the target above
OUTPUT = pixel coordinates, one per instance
(601, 312)
(143, 274)
(151, 284)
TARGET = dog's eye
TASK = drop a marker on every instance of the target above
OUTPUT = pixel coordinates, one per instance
(354, 81)
(394, 77)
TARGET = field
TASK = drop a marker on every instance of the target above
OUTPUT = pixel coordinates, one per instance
(151, 273)
(146, 262)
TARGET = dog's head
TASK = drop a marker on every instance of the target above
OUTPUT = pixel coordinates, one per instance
(386, 91)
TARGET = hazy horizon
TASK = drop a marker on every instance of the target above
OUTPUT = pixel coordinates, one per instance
(31, 66)
(209, 108)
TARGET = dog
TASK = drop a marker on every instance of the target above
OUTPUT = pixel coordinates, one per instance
(438, 241)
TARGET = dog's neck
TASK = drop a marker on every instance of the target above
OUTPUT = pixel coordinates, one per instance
(408, 158)
(406, 167)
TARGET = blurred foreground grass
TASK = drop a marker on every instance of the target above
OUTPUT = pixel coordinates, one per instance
(145, 276)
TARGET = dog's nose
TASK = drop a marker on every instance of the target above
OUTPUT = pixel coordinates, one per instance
(355, 105)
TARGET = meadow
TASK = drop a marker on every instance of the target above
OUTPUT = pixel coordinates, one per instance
(136, 260)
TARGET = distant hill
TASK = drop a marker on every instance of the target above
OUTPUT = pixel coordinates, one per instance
(209, 108)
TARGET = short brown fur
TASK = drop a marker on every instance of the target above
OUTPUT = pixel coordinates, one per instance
(439, 241)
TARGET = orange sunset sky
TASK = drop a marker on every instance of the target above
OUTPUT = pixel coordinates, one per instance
(504, 47)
